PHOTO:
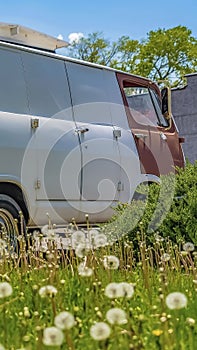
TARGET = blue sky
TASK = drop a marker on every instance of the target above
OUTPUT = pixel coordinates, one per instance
(134, 18)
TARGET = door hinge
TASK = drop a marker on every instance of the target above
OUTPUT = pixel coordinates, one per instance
(120, 186)
(117, 133)
(37, 184)
(34, 123)
(141, 136)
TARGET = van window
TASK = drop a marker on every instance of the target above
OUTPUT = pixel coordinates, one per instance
(89, 94)
(145, 106)
(47, 86)
(157, 103)
(141, 106)
(13, 94)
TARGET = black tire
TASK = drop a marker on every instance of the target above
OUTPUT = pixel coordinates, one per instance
(10, 221)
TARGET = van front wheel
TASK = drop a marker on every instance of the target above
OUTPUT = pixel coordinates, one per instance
(9, 221)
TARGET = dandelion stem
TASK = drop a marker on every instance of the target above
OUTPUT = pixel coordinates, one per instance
(69, 341)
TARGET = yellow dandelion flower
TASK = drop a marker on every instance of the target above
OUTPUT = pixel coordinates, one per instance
(157, 332)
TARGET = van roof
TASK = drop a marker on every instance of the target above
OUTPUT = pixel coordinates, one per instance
(15, 33)
(48, 49)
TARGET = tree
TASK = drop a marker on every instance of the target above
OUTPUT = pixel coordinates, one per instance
(168, 55)
(165, 55)
(126, 57)
(95, 48)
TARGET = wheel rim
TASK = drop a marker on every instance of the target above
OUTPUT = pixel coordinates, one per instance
(9, 229)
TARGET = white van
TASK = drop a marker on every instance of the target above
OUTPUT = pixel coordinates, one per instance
(75, 137)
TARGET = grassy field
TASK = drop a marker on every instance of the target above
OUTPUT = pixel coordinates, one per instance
(130, 284)
(98, 295)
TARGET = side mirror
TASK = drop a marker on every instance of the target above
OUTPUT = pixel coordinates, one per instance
(166, 102)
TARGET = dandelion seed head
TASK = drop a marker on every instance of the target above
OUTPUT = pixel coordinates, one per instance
(78, 237)
(47, 291)
(116, 316)
(190, 321)
(66, 243)
(111, 262)
(165, 257)
(64, 320)
(176, 300)
(158, 238)
(100, 240)
(91, 235)
(188, 247)
(127, 289)
(81, 250)
(84, 271)
(100, 331)
(52, 336)
(113, 290)
(5, 289)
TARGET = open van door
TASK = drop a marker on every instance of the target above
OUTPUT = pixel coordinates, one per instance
(156, 139)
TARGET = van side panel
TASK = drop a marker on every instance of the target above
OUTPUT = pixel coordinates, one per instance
(55, 141)
(109, 161)
(100, 155)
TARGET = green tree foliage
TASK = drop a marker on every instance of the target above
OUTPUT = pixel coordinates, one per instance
(164, 55)
(168, 55)
(95, 48)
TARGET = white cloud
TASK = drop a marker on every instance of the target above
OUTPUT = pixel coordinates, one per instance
(75, 37)
(60, 37)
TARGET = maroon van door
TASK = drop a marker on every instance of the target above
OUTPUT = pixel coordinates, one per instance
(158, 145)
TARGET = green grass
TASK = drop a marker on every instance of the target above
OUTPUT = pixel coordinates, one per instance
(150, 323)
(153, 262)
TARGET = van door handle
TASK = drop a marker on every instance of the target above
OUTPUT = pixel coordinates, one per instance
(141, 136)
(81, 129)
